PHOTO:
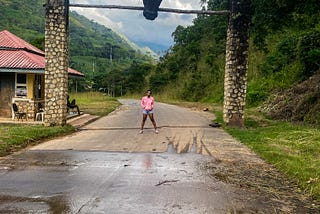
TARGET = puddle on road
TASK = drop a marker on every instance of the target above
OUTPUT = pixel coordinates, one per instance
(171, 149)
(37, 204)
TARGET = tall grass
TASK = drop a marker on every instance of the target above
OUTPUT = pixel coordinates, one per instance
(293, 149)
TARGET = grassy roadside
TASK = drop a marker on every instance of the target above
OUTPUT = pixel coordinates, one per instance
(95, 103)
(15, 137)
(294, 149)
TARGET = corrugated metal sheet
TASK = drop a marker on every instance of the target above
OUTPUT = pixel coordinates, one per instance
(21, 59)
(75, 72)
(16, 53)
(8, 39)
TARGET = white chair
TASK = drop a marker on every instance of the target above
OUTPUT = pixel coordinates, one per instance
(40, 114)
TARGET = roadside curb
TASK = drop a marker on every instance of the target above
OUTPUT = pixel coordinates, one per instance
(82, 120)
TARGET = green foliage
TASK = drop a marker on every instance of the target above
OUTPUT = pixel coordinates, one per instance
(23, 18)
(271, 16)
(288, 33)
(193, 69)
(136, 80)
(284, 54)
(309, 52)
(157, 81)
(255, 97)
(284, 50)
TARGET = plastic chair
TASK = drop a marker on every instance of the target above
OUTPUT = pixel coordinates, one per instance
(40, 113)
(17, 113)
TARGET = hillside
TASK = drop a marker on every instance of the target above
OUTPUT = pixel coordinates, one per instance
(301, 103)
(94, 49)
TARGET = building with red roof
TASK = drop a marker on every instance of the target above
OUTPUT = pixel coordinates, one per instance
(22, 68)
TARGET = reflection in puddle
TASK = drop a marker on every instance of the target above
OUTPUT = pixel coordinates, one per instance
(147, 161)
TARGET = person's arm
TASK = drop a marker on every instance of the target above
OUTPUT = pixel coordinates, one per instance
(142, 103)
(152, 103)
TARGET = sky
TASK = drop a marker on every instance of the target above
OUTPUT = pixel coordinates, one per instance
(132, 24)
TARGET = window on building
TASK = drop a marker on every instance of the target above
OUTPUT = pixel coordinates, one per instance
(21, 85)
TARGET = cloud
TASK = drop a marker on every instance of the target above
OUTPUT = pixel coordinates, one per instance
(133, 25)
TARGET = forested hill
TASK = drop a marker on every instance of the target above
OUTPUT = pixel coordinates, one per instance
(284, 51)
(94, 49)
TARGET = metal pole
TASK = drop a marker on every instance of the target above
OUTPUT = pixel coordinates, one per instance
(169, 10)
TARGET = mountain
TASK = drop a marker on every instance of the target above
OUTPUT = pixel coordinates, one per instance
(155, 48)
(88, 39)
(94, 49)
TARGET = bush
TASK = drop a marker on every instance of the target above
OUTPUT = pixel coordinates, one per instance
(255, 97)
(309, 52)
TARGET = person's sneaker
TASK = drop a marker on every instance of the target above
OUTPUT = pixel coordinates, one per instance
(141, 131)
(156, 131)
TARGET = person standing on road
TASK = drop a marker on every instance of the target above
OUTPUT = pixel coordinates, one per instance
(147, 103)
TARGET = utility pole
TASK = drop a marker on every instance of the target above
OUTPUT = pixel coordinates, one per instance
(111, 53)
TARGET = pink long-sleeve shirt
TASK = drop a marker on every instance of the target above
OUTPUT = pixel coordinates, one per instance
(147, 103)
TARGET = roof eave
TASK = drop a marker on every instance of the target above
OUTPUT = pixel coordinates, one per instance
(22, 70)
(35, 71)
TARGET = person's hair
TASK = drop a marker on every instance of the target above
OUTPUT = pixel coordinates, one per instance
(149, 90)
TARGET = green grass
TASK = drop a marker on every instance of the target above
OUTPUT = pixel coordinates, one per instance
(95, 103)
(294, 149)
(15, 137)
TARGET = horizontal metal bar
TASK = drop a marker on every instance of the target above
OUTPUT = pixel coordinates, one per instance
(169, 10)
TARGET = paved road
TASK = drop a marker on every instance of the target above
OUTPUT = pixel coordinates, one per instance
(108, 167)
(120, 131)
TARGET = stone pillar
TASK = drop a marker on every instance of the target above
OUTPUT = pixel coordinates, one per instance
(57, 58)
(237, 46)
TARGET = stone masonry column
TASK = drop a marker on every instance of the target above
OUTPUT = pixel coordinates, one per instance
(57, 58)
(237, 46)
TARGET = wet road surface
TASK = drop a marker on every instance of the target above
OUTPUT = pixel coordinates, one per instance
(101, 182)
(107, 167)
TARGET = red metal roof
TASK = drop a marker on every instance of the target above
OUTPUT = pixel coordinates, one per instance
(8, 39)
(21, 59)
(16, 53)
(75, 72)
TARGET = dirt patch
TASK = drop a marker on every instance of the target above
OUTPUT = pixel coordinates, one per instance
(298, 104)
(54, 204)
(263, 188)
